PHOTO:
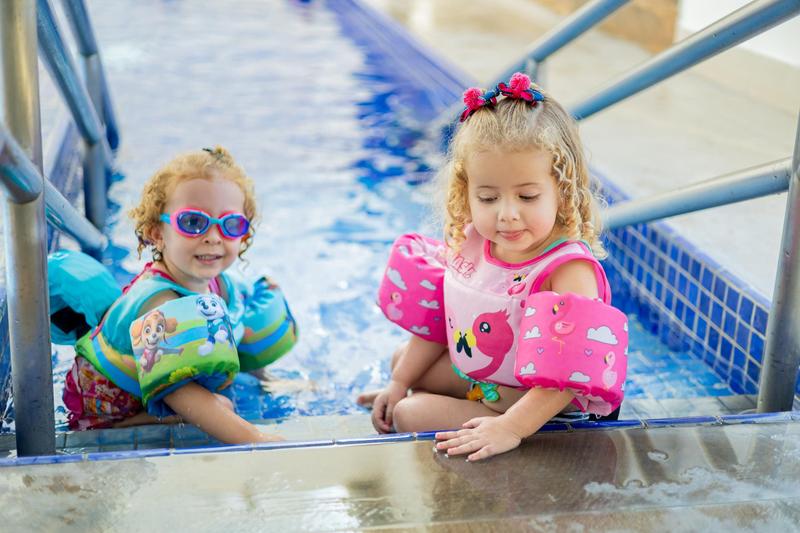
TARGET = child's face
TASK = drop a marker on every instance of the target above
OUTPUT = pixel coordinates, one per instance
(513, 201)
(194, 261)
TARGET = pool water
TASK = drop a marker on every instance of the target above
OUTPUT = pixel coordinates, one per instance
(339, 149)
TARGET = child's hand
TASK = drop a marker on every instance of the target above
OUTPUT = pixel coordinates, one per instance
(481, 437)
(383, 407)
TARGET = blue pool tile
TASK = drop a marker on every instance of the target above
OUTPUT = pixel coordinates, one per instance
(700, 328)
(750, 387)
(757, 346)
(377, 439)
(639, 273)
(739, 358)
(682, 284)
(713, 338)
(705, 303)
(742, 334)
(730, 325)
(719, 289)
(746, 310)
(732, 299)
(679, 308)
(760, 320)
(671, 275)
(684, 260)
(753, 371)
(661, 266)
(737, 379)
(692, 293)
(668, 300)
(708, 279)
(648, 281)
(716, 314)
(674, 251)
(659, 287)
(680, 421)
(695, 268)
(725, 349)
(688, 318)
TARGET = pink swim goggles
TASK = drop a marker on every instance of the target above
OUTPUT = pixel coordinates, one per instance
(194, 222)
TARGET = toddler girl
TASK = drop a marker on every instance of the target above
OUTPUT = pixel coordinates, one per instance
(183, 328)
(510, 316)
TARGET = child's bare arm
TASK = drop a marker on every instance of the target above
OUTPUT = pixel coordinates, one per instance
(491, 435)
(199, 406)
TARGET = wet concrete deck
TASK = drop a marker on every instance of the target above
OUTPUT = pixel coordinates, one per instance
(736, 477)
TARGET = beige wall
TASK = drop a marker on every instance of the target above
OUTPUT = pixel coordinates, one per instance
(649, 23)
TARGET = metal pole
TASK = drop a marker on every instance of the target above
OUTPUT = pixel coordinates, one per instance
(79, 101)
(25, 236)
(94, 169)
(78, 18)
(782, 345)
(752, 19)
(771, 178)
(564, 33)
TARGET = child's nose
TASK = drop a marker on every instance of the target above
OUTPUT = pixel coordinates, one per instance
(508, 211)
(213, 234)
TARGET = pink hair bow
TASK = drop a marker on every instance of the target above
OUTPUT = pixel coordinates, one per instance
(475, 98)
(519, 86)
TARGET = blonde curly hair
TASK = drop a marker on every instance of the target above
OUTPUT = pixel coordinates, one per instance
(202, 164)
(514, 125)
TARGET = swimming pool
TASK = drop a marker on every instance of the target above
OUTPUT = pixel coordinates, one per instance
(343, 158)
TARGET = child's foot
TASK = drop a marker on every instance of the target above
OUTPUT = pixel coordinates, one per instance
(366, 399)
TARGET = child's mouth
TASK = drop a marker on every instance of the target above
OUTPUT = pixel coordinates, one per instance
(511, 235)
(208, 259)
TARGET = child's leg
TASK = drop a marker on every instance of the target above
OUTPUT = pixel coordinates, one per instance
(198, 406)
(423, 411)
(439, 378)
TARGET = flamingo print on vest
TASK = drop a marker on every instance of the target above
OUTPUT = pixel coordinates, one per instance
(560, 326)
(609, 376)
(492, 335)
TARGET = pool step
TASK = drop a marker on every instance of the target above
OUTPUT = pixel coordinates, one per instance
(346, 426)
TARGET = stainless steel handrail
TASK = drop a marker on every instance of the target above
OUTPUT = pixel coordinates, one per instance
(782, 346)
(561, 35)
(98, 153)
(770, 178)
(752, 19)
(95, 74)
(24, 234)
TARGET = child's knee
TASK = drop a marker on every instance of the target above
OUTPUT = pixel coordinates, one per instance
(398, 353)
(225, 401)
(405, 413)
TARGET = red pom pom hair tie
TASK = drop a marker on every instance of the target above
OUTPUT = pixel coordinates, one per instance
(475, 98)
(519, 87)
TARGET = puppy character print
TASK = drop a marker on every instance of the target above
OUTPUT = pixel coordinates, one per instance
(219, 329)
(149, 333)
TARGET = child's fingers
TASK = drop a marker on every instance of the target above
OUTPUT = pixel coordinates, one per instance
(389, 418)
(473, 423)
(467, 447)
(444, 435)
(483, 453)
(378, 412)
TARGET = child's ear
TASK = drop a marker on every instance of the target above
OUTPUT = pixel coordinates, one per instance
(155, 236)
